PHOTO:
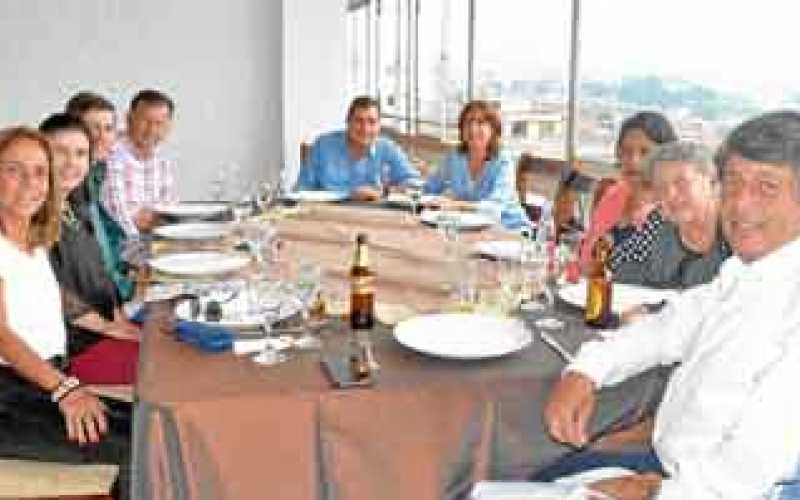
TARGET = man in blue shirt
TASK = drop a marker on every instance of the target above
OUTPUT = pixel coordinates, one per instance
(357, 160)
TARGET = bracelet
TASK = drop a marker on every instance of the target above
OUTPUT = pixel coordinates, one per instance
(66, 386)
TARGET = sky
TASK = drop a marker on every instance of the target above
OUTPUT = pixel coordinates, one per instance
(733, 45)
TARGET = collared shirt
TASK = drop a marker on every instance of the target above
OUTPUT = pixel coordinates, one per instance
(329, 166)
(132, 184)
(729, 424)
(493, 190)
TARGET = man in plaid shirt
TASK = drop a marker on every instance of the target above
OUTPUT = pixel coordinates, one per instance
(138, 177)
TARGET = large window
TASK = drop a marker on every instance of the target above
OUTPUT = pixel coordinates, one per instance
(442, 55)
(522, 63)
(706, 65)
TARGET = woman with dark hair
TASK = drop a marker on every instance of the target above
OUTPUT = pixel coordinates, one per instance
(478, 175)
(625, 206)
(98, 114)
(102, 343)
(41, 408)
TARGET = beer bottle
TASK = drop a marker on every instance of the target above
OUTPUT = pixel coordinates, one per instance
(362, 288)
(598, 286)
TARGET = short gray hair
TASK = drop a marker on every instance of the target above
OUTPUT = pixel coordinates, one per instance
(772, 138)
(693, 153)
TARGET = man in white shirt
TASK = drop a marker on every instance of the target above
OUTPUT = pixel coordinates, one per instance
(138, 177)
(729, 423)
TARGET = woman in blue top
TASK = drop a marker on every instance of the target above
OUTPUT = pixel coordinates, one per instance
(478, 175)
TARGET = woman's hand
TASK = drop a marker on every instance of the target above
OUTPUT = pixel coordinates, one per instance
(122, 329)
(84, 415)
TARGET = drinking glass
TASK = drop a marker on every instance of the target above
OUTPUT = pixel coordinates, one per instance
(307, 283)
(553, 269)
(271, 305)
(414, 191)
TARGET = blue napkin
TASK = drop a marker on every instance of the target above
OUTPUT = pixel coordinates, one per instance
(204, 336)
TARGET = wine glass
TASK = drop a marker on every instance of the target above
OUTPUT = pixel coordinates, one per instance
(271, 304)
(554, 265)
(307, 284)
(414, 191)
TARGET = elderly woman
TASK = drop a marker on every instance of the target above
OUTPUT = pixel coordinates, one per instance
(102, 343)
(479, 175)
(41, 409)
(688, 249)
(98, 114)
(625, 207)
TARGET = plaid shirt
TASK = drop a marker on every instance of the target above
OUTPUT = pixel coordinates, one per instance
(132, 184)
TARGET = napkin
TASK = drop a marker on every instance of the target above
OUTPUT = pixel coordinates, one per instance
(204, 336)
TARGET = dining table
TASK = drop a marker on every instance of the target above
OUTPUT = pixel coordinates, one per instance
(219, 426)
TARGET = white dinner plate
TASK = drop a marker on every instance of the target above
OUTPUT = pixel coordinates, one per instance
(317, 196)
(198, 263)
(500, 249)
(191, 209)
(194, 231)
(234, 310)
(623, 297)
(464, 220)
(404, 200)
(463, 336)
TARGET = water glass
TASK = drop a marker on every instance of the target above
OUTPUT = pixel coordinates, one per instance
(414, 191)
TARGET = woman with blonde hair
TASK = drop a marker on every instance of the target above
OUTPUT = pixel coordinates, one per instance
(42, 411)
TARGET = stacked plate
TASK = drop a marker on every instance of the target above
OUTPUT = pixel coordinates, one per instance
(623, 297)
(198, 264)
(316, 196)
(191, 210)
(194, 231)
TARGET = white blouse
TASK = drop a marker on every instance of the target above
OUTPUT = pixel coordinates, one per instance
(32, 299)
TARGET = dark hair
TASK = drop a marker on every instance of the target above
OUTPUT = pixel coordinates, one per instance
(492, 116)
(80, 197)
(85, 101)
(155, 97)
(773, 138)
(362, 102)
(654, 125)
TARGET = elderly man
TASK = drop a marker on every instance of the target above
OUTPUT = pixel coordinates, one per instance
(356, 161)
(727, 426)
(138, 177)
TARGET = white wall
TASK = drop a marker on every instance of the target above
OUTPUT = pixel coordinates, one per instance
(219, 59)
(314, 73)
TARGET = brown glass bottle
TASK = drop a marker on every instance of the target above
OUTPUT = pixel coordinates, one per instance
(599, 287)
(362, 288)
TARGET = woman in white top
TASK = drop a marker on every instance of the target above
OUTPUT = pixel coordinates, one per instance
(41, 409)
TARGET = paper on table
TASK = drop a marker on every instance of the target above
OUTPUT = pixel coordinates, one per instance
(574, 487)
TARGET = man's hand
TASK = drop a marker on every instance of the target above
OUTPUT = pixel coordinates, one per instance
(365, 193)
(84, 415)
(145, 219)
(569, 408)
(635, 487)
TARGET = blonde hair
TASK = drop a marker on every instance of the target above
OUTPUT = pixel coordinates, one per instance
(46, 222)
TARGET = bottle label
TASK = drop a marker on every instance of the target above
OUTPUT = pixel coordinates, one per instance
(362, 285)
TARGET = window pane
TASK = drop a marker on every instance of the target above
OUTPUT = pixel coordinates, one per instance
(522, 62)
(357, 52)
(394, 91)
(443, 37)
(706, 65)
